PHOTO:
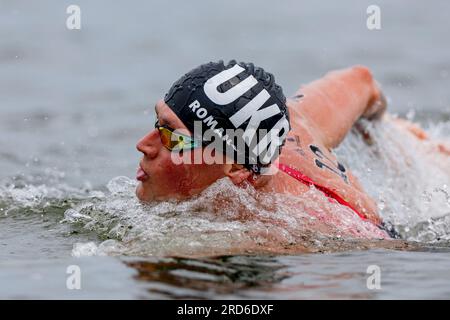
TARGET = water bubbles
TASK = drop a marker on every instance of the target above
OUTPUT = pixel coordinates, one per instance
(25, 195)
(87, 249)
(194, 244)
(381, 204)
(71, 215)
(410, 115)
(121, 185)
(223, 219)
(84, 249)
(443, 190)
(427, 196)
(406, 177)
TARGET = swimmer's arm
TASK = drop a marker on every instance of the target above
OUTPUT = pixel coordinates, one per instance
(333, 103)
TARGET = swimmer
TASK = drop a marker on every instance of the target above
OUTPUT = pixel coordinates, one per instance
(294, 150)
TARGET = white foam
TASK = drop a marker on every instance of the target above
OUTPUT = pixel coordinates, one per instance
(202, 225)
(407, 177)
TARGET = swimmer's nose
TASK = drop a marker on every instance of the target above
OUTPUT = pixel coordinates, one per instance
(149, 144)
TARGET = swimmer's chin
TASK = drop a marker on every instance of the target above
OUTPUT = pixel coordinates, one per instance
(140, 194)
(145, 197)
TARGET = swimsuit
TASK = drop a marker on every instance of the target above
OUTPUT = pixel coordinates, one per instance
(296, 174)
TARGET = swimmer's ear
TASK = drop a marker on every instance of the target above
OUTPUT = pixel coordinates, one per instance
(237, 173)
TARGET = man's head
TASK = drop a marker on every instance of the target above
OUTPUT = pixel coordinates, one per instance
(234, 112)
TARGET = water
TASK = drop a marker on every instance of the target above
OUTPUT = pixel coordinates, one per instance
(74, 103)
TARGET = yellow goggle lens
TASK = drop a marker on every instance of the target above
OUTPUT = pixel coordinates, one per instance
(172, 141)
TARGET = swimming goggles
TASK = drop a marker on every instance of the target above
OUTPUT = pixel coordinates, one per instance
(175, 141)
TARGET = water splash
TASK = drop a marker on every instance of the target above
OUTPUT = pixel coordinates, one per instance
(408, 177)
(224, 219)
(21, 194)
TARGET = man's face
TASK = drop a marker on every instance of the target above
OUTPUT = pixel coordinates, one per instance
(160, 178)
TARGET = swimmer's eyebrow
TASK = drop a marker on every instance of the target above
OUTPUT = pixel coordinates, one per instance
(164, 120)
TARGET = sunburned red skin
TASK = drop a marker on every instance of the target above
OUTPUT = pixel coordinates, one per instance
(161, 177)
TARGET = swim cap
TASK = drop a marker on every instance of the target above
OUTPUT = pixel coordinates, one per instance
(237, 96)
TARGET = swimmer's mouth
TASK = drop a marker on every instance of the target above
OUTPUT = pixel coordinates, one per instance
(141, 175)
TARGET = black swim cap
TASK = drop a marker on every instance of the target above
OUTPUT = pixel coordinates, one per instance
(235, 96)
